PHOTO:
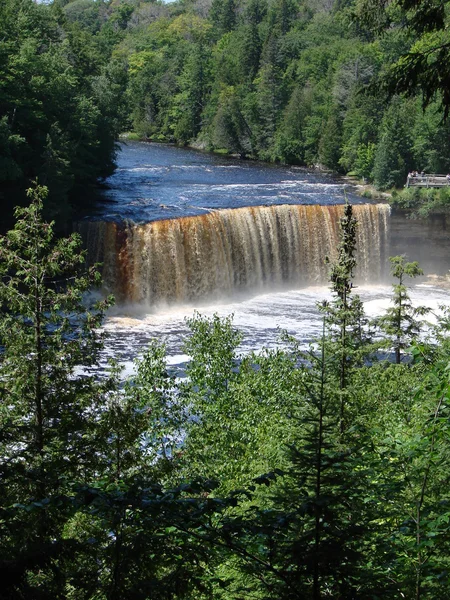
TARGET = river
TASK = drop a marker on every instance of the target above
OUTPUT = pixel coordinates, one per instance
(171, 246)
(159, 181)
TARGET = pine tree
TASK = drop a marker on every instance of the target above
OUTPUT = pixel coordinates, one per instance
(46, 331)
(83, 512)
(331, 141)
(393, 157)
(348, 339)
(194, 90)
(230, 129)
(223, 15)
(255, 12)
(290, 137)
(400, 324)
(305, 539)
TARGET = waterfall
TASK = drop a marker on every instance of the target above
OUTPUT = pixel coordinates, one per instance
(222, 253)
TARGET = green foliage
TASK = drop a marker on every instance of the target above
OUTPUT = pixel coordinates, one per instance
(306, 544)
(83, 512)
(230, 130)
(422, 64)
(421, 202)
(190, 101)
(46, 332)
(291, 136)
(212, 398)
(84, 12)
(347, 339)
(280, 81)
(330, 143)
(223, 15)
(60, 105)
(400, 324)
(393, 157)
(277, 475)
(431, 141)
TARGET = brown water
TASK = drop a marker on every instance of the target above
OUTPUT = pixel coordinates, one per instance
(180, 231)
(231, 251)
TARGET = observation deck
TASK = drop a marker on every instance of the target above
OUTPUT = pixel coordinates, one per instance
(431, 180)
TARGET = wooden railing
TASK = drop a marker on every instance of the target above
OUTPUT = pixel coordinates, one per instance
(428, 180)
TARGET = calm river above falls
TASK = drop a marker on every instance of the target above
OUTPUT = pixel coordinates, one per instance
(180, 231)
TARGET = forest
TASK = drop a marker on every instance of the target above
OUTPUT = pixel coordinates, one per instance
(279, 475)
(357, 86)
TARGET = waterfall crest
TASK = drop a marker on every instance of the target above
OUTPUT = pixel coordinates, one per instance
(221, 253)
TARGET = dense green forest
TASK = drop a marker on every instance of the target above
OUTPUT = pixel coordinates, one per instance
(357, 86)
(277, 475)
(61, 107)
(295, 81)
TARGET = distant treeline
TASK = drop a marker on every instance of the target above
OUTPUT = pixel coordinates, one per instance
(296, 81)
(340, 84)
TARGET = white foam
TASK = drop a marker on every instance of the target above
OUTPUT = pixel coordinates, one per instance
(260, 318)
(144, 169)
(177, 359)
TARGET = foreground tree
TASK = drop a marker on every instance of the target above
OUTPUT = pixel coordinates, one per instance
(46, 332)
(346, 340)
(423, 63)
(400, 324)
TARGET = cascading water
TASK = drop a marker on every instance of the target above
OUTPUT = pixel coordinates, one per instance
(221, 253)
(226, 230)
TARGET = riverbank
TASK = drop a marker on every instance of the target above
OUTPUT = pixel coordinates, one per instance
(422, 203)
(365, 190)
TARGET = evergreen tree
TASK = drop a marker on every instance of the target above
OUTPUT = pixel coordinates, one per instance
(330, 142)
(255, 11)
(230, 129)
(251, 51)
(192, 98)
(46, 333)
(83, 512)
(400, 323)
(269, 95)
(305, 539)
(345, 314)
(359, 134)
(281, 15)
(393, 158)
(223, 15)
(290, 139)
